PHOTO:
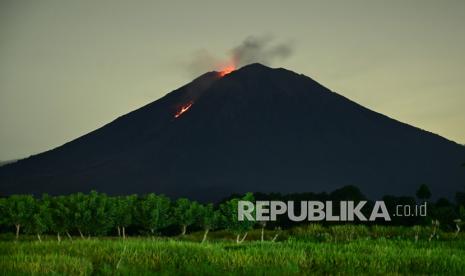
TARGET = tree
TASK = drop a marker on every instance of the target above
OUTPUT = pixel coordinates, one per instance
(122, 209)
(208, 219)
(185, 213)
(91, 213)
(100, 220)
(61, 215)
(231, 221)
(41, 219)
(18, 210)
(423, 192)
(79, 213)
(153, 213)
(444, 211)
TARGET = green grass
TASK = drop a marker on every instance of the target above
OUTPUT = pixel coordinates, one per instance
(299, 252)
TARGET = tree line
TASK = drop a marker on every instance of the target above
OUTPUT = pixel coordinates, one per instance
(97, 214)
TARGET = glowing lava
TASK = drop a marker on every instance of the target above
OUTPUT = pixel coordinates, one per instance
(228, 69)
(183, 109)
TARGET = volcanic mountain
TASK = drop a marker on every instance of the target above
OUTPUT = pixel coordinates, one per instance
(256, 129)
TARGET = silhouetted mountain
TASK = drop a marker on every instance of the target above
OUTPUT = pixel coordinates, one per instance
(255, 129)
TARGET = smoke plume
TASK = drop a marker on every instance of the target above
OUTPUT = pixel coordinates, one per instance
(262, 49)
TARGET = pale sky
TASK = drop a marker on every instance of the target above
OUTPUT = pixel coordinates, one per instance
(69, 67)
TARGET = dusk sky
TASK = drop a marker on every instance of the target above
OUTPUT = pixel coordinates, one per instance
(69, 67)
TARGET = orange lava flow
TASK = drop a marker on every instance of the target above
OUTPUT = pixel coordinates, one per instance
(183, 109)
(228, 69)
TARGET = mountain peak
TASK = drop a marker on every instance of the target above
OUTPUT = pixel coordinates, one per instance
(256, 66)
(252, 67)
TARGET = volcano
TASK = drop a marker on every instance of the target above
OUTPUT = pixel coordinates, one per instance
(255, 129)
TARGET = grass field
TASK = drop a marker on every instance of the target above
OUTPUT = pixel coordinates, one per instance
(299, 251)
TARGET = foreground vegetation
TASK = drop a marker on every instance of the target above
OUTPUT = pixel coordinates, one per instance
(96, 234)
(97, 214)
(301, 250)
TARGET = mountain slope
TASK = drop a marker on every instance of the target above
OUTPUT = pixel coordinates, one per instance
(256, 129)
